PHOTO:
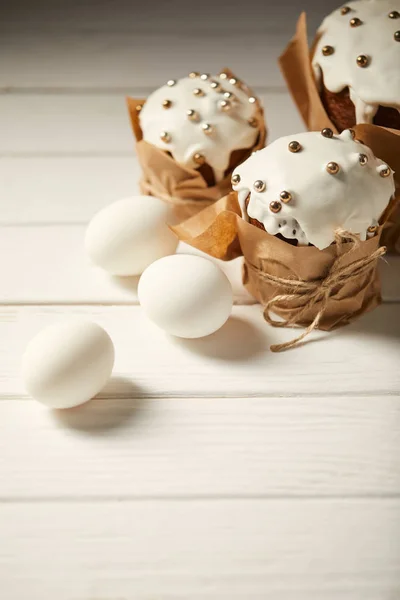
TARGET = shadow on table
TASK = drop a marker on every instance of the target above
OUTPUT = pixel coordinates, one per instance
(129, 284)
(102, 414)
(383, 322)
(237, 340)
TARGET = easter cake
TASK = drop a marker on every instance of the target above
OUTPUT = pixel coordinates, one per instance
(306, 187)
(203, 120)
(356, 63)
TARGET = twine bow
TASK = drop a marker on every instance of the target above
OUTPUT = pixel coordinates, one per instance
(312, 292)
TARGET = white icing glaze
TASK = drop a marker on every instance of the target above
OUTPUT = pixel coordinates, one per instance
(230, 129)
(379, 82)
(352, 200)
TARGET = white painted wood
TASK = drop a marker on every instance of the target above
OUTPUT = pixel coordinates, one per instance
(97, 124)
(47, 264)
(362, 358)
(122, 59)
(201, 448)
(250, 475)
(202, 550)
(209, 18)
(63, 189)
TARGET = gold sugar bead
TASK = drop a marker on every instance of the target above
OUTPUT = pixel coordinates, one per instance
(199, 159)
(328, 50)
(356, 22)
(165, 137)
(194, 74)
(345, 10)
(198, 92)
(192, 115)
(167, 103)
(259, 185)
(225, 105)
(207, 128)
(362, 61)
(372, 229)
(171, 82)
(138, 107)
(275, 206)
(327, 132)
(385, 172)
(285, 196)
(235, 179)
(253, 122)
(204, 76)
(395, 14)
(294, 146)
(396, 36)
(252, 100)
(223, 75)
(332, 168)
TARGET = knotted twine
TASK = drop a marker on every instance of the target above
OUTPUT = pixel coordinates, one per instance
(312, 292)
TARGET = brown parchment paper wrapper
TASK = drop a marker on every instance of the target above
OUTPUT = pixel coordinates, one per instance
(221, 232)
(295, 64)
(184, 188)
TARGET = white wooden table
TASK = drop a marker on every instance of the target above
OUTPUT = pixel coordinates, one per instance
(206, 470)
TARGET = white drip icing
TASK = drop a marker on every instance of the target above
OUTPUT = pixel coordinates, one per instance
(379, 82)
(230, 129)
(321, 203)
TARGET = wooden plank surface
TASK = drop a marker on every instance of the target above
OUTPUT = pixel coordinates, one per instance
(63, 189)
(361, 359)
(202, 448)
(121, 59)
(208, 19)
(202, 550)
(47, 264)
(208, 469)
(97, 124)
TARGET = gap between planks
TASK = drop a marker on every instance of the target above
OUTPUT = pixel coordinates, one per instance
(234, 550)
(60, 272)
(62, 125)
(185, 448)
(361, 358)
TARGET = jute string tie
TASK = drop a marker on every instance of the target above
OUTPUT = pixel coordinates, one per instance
(310, 293)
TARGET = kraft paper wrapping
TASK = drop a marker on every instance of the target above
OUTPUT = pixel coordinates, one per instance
(221, 232)
(187, 190)
(295, 64)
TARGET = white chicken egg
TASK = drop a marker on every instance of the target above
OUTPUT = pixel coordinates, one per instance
(127, 236)
(68, 363)
(187, 296)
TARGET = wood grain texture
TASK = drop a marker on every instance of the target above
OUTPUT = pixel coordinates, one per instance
(201, 448)
(209, 18)
(209, 469)
(120, 59)
(202, 550)
(362, 358)
(97, 124)
(63, 189)
(48, 264)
